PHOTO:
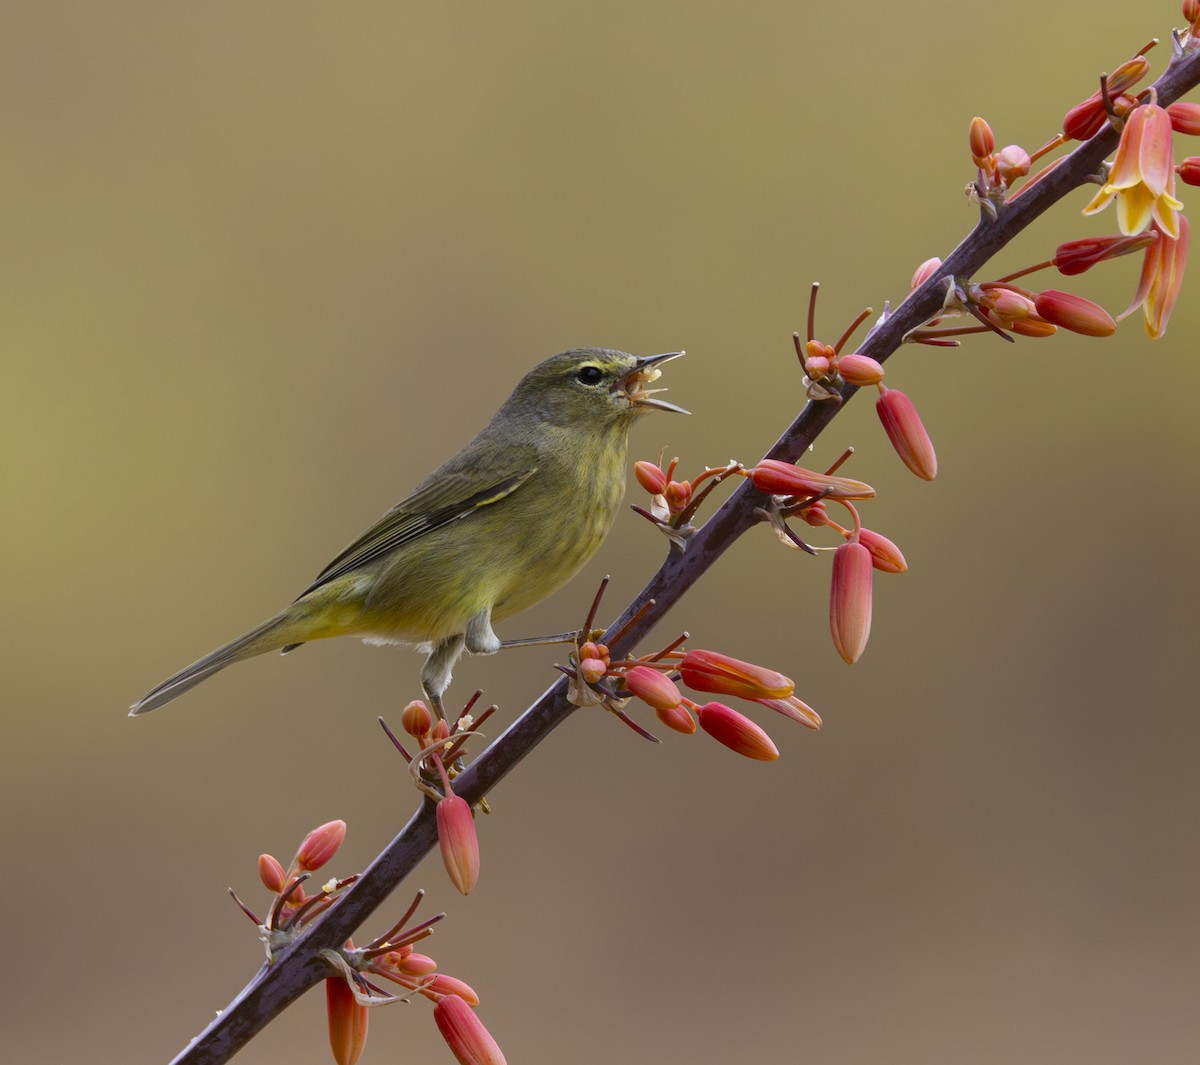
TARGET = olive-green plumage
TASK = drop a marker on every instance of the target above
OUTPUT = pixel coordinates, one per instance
(498, 527)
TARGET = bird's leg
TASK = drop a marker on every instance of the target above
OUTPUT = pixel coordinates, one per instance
(480, 638)
(435, 674)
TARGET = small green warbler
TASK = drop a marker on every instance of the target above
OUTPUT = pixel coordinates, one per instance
(498, 527)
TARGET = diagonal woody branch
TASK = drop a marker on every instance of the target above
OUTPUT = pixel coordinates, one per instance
(275, 987)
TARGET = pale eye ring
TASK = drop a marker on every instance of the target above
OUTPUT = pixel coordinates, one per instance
(590, 375)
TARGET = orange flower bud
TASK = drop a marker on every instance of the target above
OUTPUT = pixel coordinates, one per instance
(271, 873)
(592, 669)
(678, 494)
(885, 555)
(1189, 170)
(737, 732)
(440, 730)
(817, 366)
(786, 479)
(417, 964)
(458, 842)
(860, 370)
(652, 687)
(794, 708)
(850, 600)
(1185, 118)
(650, 477)
(924, 272)
(1075, 313)
(451, 985)
(320, 845)
(816, 515)
(979, 136)
(465, 1034)
(1191, 10)
(711, 671)
(416, 719)
(677, 718)
(347, 1021)
(1085, 119)
(903, 426)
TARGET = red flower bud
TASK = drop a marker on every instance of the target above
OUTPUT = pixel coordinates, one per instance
(1075, 313)
(1076, 256)
(903, 426)
(320, 845)
(982, 143)
(885, 555)
(347, 1021)
(652, 687)
(465, 1034)
(737, 732)
(271, 873)
(850, 600)
(650, 477)
(860, 370)
(1185, 118)
(785, 479)
(711, 671)
(416, 719)
(451, 985)
(1189, 170)
(458, 842)
(677, 718)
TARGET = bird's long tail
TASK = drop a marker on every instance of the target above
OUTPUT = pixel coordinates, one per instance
(268, 636)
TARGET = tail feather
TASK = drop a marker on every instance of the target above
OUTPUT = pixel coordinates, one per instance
(268, 636)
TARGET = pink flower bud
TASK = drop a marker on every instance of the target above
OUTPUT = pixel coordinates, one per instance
(347, 1021)
(785, 479)
(1085, 119)
(271, 873)
(652, 687)
(924, 272)
(903, 426)
(1075, 313)
(451, 985)
(677, 718)
(737, 732)
(650, 477)
(1012, 162)
(711, 671)
(816, 366)
(417, 964)
(592, 669)
(982, 143)
(860, 370)
(794, 708)
(1077, 256)
(416, 719)
(885, 555)
(458, 842)
(465, 1034)
(850, 600)
(1185, 118)
(320, 845)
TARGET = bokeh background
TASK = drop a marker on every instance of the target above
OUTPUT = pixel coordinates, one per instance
(264, 265)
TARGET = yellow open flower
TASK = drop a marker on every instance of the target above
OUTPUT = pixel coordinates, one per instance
(1143, 175)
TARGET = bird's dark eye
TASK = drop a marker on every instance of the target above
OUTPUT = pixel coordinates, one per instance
(590, 375)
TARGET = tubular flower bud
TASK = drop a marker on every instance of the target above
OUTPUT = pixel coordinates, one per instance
(1085, 119)
(1128, 74)
(786, 479)
(737, 732)
(320, 845)
(677, 718)
(860, 370)
(465, 1034)
(1033, 326)
(271, 873)
(458, 841)
(416, 719)
(1143, 175)
(924, 272)
(650, 477)
(794, 708)
(850, 600)
(653, 688)
(979, 136)
(1161, 280)
(1185, 118)
(903, 426)
(885, 555)
(1075, 313)
(451, 985)
(1189, 170)
(711, 671)
(416, 964)
(678, 494)
(347, 1021)
(1077, 256)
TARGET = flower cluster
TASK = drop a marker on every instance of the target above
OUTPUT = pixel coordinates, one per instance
(672, 502)
(433, 768)
(350, 990)
(597, 680)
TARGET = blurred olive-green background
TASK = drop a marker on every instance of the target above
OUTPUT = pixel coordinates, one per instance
(264, 265)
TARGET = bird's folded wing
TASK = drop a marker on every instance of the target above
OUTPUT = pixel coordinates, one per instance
(447, 499)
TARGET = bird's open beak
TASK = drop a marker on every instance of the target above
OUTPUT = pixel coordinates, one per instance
(646, 372)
